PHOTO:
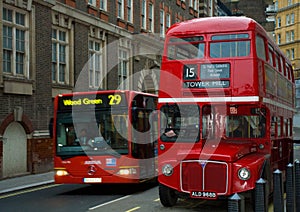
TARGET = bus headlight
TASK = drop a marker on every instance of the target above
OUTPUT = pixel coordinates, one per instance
(244, 173)
(61, 173)
(167, 169)
(127, 171)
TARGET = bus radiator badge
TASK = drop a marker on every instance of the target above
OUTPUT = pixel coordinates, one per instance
(91, 170)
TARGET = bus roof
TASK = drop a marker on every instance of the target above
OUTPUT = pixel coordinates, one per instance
(213, 24)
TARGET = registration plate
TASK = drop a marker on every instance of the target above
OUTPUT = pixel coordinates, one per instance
(203, 194)
(92, 180)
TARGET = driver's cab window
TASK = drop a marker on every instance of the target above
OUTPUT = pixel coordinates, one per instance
(180, 122)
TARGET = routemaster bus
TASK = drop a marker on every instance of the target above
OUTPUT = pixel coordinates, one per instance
(226, 108)
(105, 137)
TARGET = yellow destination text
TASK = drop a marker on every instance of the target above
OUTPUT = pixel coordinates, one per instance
(85, 101)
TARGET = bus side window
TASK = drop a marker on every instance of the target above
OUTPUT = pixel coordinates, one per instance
(279, 127)
(273, 127)
(260, 48)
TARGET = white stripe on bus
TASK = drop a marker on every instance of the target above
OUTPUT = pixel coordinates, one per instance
(210, 99)
(225, 99)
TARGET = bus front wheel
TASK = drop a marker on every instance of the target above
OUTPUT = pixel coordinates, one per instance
(168, 197)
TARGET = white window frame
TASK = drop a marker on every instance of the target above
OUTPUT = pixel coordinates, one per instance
(196, 5)
(292, 54)
(120, 9)
(288, 53)
(123, 68)
(103, 5)
(124, 55)
(12, 63)
(287, 37)
(168, 21)
(92, 2)
(57, 43)
(287, 19)
(151, 17)
(279, 22)
(292, 18)
(292, 36)
(130, 11)
(96, 63)
(144, 14)
(162, 23)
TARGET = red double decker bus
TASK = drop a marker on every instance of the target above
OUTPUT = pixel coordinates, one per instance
(226, 108)
(105, 137)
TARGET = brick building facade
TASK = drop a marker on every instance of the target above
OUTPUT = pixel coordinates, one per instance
(50, 47)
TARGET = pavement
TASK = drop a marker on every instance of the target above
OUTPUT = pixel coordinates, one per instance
(25, 181)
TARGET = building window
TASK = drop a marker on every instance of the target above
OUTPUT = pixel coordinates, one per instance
(162, 23)
(287, 19)
(121, 9)
(123, 67)
(292, 54)
(276, 5)
(289, 2)
(92, 2)
(143, 13)
(288, 53)
(292, 35)
(103, 5)
(129, 11)
(292, 18)
(15, 42)
(151, 20)
(59, 56)
(287, 37)
(278, 22)
(279, 39)
(95, 63)
(168, 21)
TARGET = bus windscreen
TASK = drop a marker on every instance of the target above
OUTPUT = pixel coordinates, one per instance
(88, 124)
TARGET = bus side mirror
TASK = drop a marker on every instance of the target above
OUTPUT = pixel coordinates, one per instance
(51, 128)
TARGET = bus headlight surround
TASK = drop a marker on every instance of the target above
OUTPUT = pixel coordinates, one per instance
(167, 169)
(244, 173)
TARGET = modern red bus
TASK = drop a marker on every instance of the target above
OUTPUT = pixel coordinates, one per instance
(226, 106)
(105, 137)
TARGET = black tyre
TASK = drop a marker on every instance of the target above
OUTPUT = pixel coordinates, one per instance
(168, 197)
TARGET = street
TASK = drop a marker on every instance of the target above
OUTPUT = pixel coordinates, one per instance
(142, 198)
(123, 198)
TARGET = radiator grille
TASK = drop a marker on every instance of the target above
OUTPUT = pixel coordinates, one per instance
(197, 175)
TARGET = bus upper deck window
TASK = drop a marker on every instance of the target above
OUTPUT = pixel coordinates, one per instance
(231, 45)
(186, 48)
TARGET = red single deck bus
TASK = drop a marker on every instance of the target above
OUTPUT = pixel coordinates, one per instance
(226, 106)
(105, 137)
